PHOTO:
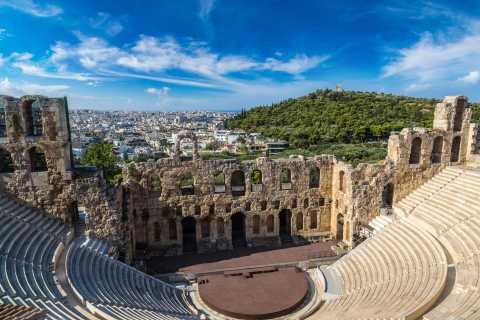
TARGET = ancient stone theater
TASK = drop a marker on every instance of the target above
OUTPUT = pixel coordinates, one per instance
(297, 238)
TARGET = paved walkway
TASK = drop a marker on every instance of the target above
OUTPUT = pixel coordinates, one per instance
(239, 258)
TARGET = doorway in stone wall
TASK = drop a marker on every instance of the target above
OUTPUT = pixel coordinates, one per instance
(285, 225)
(238, 230)
(340, 227)
(189, 231)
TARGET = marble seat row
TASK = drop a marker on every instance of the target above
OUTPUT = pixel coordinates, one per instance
(397, 274)
(119, 289)
(452, 215)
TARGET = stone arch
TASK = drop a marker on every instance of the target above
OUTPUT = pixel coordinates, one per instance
(387, 195)
(172, 229)
(341, 180)
(458, 118)
(415, 151)
(437, 149)
(187, 184)
(238, 183)
(186, 135)
(6, 162)
(347, 235)
(314, 178)
(156, 232)
(313, 220)
(220, 226)
(32, 116)
(256, 180)
(205, 227)
(455, 153)
(299, 221)
(270, 223)
(256, 224)
(340, 222)
(219, 181)
(238, 229)
(286, 179)
(38, 161)
(285, 223)
(189, 234)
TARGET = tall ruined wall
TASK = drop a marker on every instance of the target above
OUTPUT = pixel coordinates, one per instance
(35, 153)
(306, 204)
(419, 153)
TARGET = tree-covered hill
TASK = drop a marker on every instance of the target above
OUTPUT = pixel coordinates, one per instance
(327, 116)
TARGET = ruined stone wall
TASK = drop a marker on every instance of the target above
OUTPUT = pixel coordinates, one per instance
(308, 207)
(451, 122)
(48, 188)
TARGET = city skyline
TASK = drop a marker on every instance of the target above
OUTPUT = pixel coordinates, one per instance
(225, 56)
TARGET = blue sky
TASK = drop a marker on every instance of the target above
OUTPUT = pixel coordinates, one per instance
(229, 54)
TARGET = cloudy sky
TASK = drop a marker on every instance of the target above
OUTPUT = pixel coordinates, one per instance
(230, 54)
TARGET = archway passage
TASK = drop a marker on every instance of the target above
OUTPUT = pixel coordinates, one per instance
(285, 227)
(238, 230)
(189, 230)
(454, 156)
(387, 196)
(238, 183)
(340, 227)
(6, 162)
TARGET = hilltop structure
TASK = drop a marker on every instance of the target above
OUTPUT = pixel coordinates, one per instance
(183, 204)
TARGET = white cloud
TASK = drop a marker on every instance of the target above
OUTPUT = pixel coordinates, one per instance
(3, 33)
(35, 70)
(104, 21)
(24, 88)
(32, 8)
(437, 58)
(417, 87)
(164, 91)
(471, 78)
(2, 60)
(206, 7)
(296, 65)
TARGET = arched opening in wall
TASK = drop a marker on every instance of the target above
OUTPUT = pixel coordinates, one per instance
(314, 178)
(340, 227)
(341, 181)
(189, 230)
(32, 115)
(299, 221)
(3, 123)
(256, 224)
(415, 151)
(285, 221)
(220, 227)
(219, 181)
(454, 155)
(437, 150)
(313, 220)
(387, 195)
(256, 180)
(205, 226)
(186, 184)
(238, 183)
(6, 162)
(458, 119)
(286, 179)
(270, 223)
(156, 231)
(38, 162)
(238, 230)
(172, 229)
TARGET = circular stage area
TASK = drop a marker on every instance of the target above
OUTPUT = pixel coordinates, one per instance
(259, 293)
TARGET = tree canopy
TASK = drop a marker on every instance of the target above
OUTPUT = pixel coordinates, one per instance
(102, 156)
(327, 116)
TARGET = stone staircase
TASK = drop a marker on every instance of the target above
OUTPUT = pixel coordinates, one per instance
(380, 222)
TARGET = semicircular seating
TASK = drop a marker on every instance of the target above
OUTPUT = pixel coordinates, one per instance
(397, 274)
(28, 241)
(120, 291)
(452, 216)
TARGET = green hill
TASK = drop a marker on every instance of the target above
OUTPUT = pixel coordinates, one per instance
(326, 116)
